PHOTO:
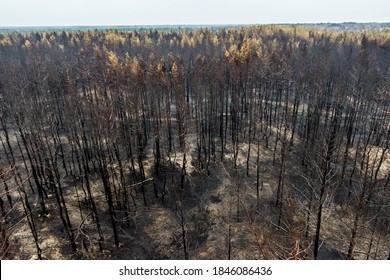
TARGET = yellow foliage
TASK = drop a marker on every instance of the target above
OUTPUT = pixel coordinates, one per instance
(175, 70)
(6, 41)
(115, 38)
(173, 42)
(135, 66)
(27, 44)
(113, 60)
(184, 41)
(215, 40)
(148, 42)
(52, 40)
(135, 41)
(74, 41)
(46, 42)
(161, 68)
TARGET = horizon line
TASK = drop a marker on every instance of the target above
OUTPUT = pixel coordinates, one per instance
(193, 24)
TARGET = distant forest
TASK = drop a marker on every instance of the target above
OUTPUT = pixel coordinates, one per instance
(253, 142)
(345, 26)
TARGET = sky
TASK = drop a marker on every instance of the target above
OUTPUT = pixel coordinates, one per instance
(186, 12)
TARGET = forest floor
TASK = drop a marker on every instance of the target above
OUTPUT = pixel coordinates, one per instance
(223, 218)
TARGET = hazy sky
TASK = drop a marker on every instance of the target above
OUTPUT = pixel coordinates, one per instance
(154, 12)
